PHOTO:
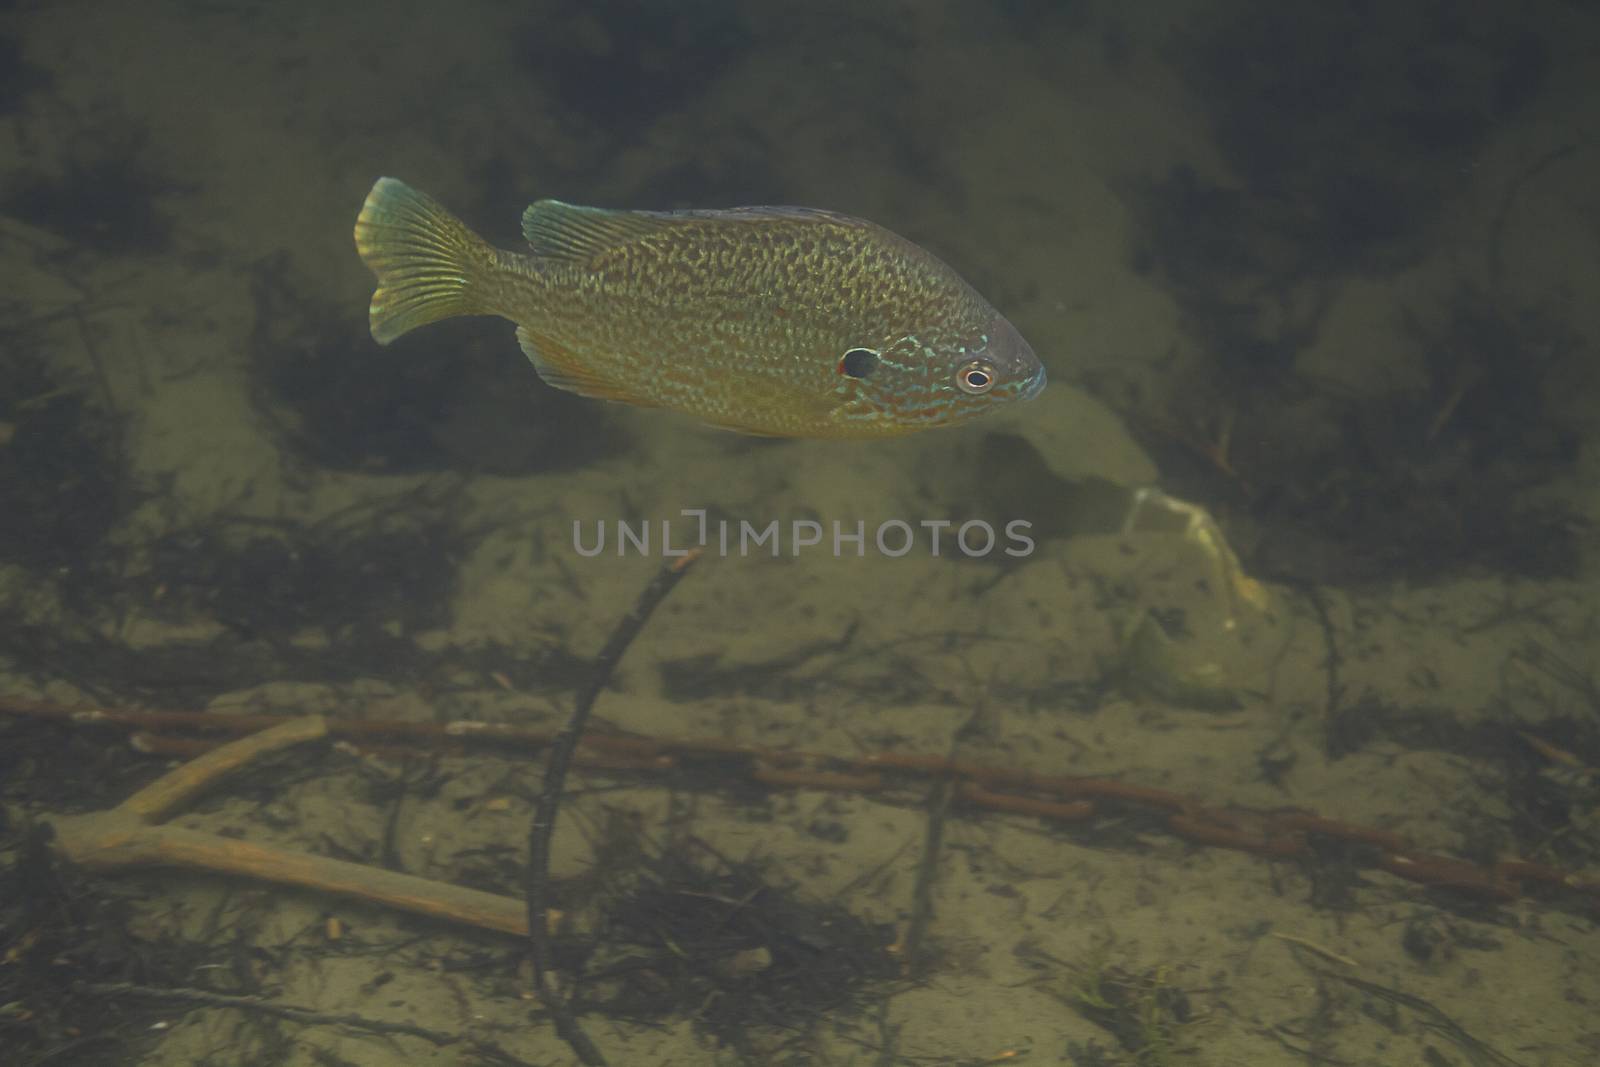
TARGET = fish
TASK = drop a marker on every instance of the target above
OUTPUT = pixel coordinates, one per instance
(773, 321)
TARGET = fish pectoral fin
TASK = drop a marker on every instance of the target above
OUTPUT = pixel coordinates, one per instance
(561, 368)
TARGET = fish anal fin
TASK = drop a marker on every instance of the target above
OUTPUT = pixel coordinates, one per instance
(561, 368)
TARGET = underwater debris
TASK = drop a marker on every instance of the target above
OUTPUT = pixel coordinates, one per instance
(49, 765)
(1333, 869)
(58, 932)
(754, 963)
(80, 979)
(1543, 788)
(1329, 487)
(328, 601)
(196, 671)
(1158, 665)
(363, 582)
(1492, 370)
(390, 564)
(1143, 1012)
(1430, 1017)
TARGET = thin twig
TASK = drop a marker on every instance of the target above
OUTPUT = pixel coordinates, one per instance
(1478, 1051)
(1335, 687)
(927, 873)
(1312, 946)
(555, 775)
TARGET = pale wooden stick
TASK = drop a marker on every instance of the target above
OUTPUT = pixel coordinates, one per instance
(162, 796)
(111, 839)
(126, 836)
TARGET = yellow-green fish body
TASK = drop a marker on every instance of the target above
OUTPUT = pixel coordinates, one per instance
(784, 321)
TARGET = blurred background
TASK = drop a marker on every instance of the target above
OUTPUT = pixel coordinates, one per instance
(1329, 269)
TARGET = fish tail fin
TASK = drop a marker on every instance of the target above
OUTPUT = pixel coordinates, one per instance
(430, 265)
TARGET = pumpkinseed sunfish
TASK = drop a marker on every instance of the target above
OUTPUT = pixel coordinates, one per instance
(783, 321)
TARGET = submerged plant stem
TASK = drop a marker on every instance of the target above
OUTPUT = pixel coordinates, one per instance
(555, 776)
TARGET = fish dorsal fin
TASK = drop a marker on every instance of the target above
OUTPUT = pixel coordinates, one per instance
(568, 231)
(564, 369)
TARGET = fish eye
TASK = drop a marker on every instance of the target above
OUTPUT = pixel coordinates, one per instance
(858, 363)
(976, 378)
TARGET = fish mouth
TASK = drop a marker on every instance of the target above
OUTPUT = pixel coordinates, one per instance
(1016, 360)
